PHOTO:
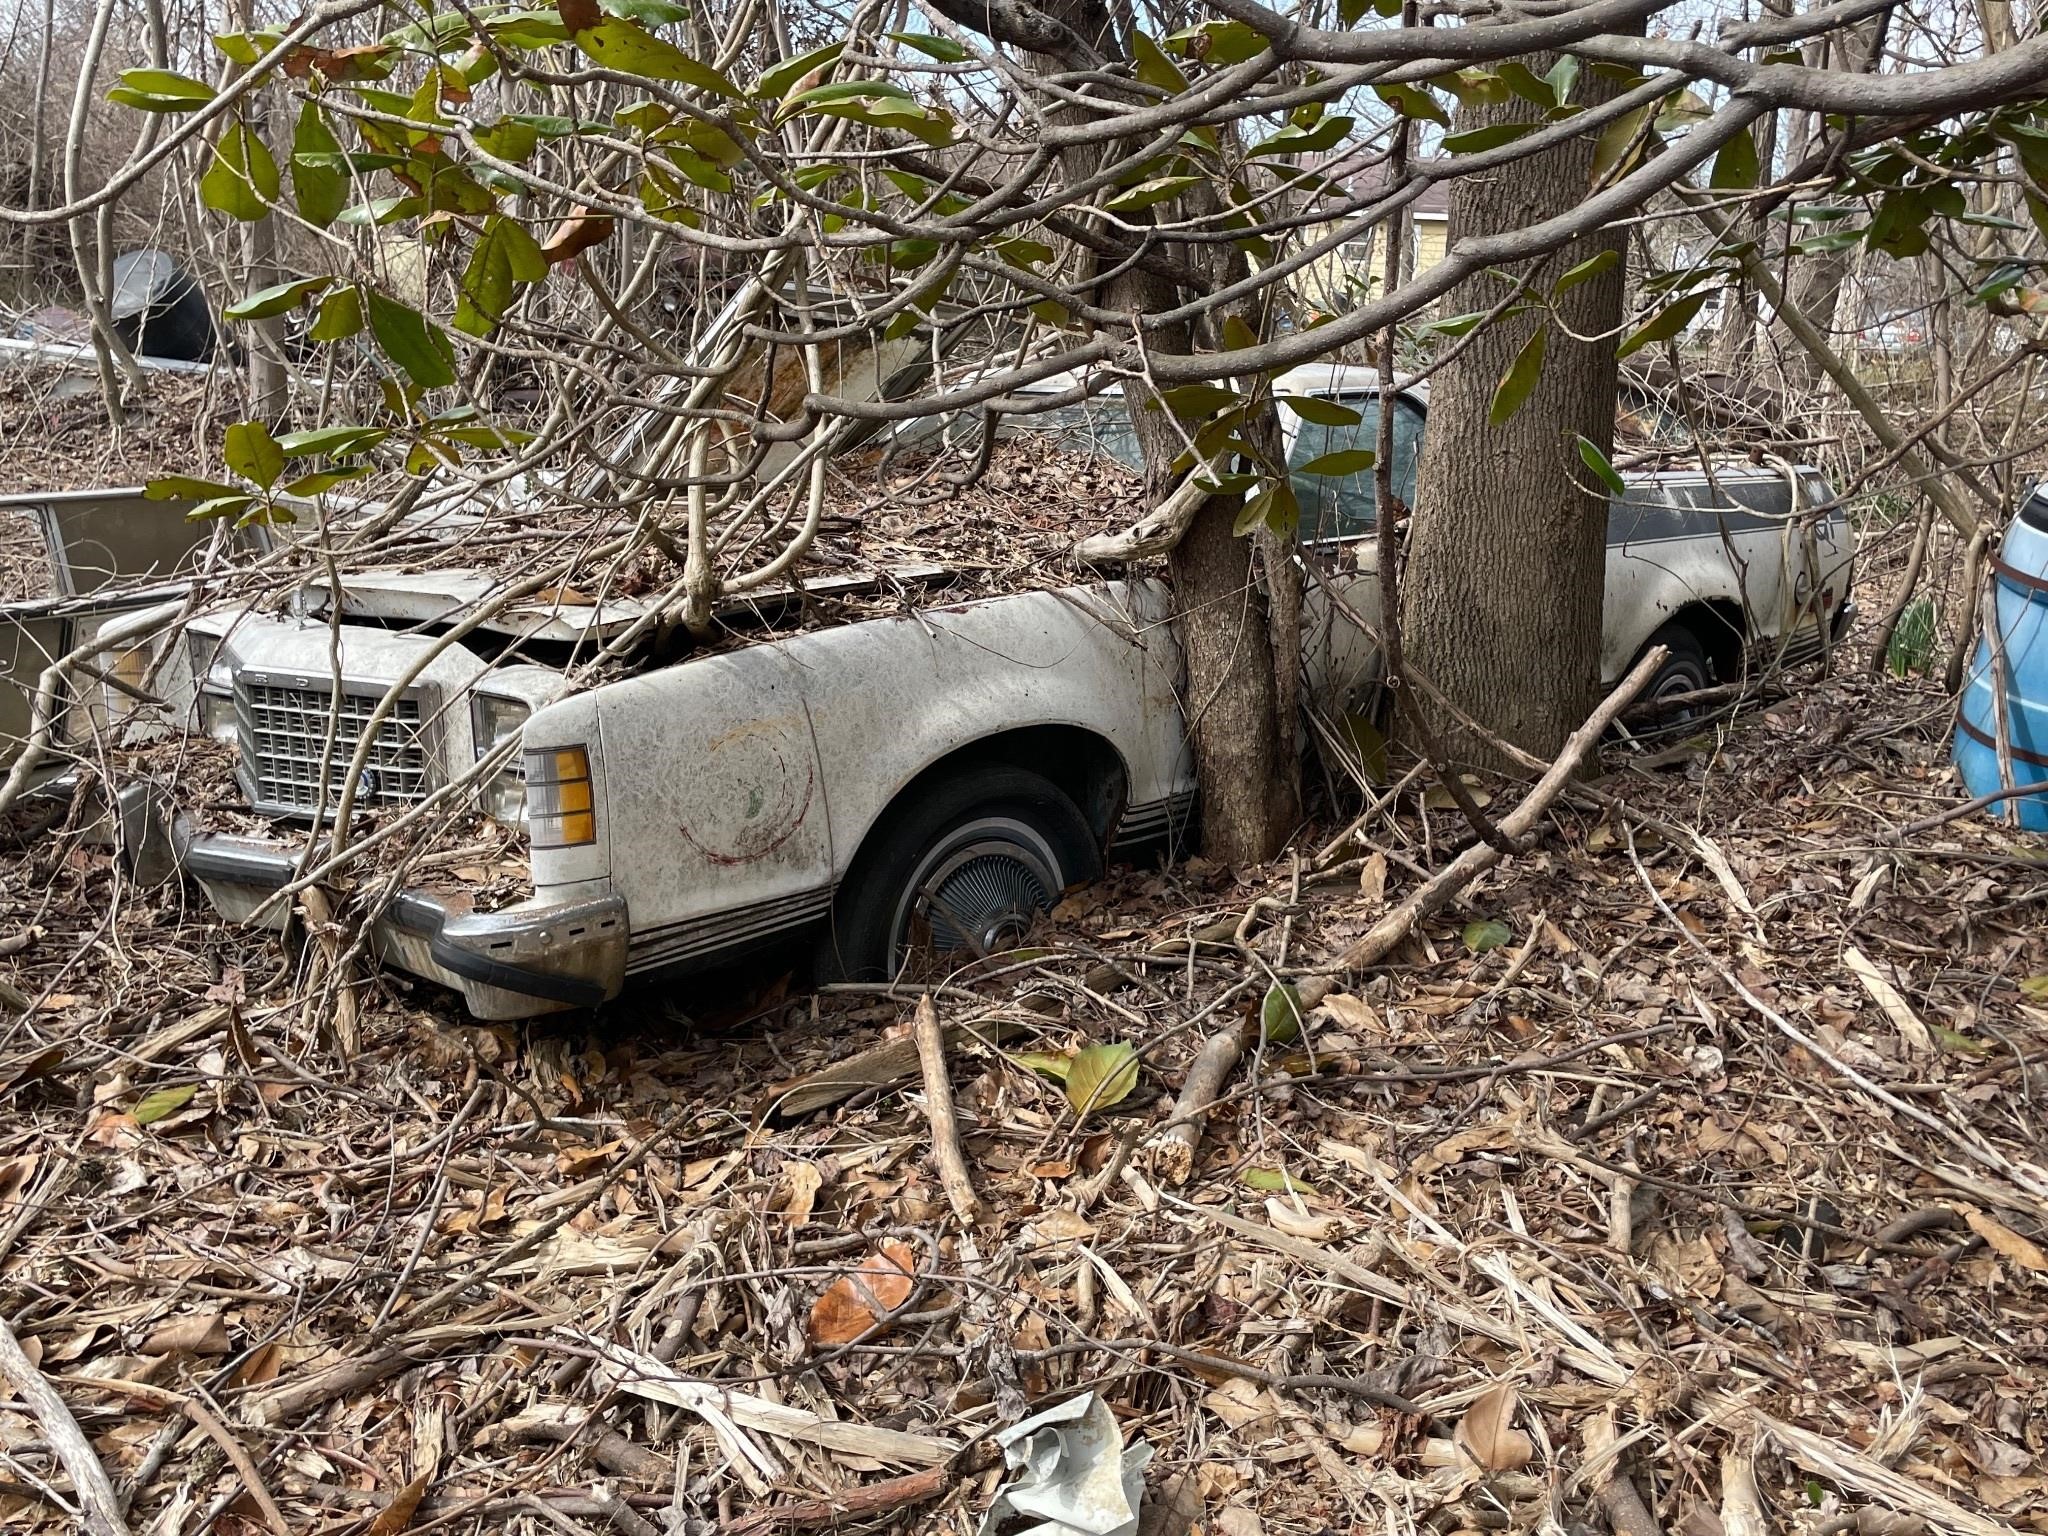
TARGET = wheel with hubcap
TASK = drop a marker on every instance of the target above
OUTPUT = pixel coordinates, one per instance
(963, 869)
(1685, 670)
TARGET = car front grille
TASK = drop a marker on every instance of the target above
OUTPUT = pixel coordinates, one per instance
(284, 730)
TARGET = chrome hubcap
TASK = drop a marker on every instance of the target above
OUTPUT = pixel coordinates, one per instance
(978, 890)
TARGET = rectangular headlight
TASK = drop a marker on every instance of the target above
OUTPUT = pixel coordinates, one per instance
(561, 810)
(494, 720)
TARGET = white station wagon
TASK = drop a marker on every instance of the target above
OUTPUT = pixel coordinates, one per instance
(930, 779)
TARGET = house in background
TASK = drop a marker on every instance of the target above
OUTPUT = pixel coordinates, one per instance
(1342, 279)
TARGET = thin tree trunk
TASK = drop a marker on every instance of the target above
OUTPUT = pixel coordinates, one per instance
(1507, 554)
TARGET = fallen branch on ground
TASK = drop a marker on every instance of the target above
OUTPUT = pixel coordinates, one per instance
(938, 1108)
(1480, 857)
(855, 1504)
(89, 1478)
(1173, 1151)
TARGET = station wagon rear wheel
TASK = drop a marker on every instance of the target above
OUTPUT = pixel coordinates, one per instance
(962, 869)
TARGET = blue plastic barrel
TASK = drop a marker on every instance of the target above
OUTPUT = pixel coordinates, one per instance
(2020, 573)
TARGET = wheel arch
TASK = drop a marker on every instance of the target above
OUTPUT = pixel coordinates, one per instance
(1717, 624)
(1082, 764)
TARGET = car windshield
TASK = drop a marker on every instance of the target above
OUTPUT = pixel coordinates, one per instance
(1346, 506)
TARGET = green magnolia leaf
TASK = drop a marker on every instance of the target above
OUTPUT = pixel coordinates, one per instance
(1456, 325)
(242, 181)
(331, 442)
(266, 302)
(1148, 194)
(245, 48)
(164, 1103)
(415, 344)
(505, 257)
(160, 90)
(1666, 323)
(253, 453)
(834, 92)
(1219, 43)
(1319, 412)
(1562, 77)
(1618, 140)
(1280, 1014)
(1152, 67)
(1414, 101)
(653, 13)
(1526, 83)
(1736, 168)
(783, 78)
(1272, 1181)
(319, 182)
(944, 49)
(1325, 135)
(489, 436)
(221, 506)
(1597, 462)
(1519, 382)
(1198, 402)
(1475, 140)
(510, 138)
(1050, 1064)
(618, 44)
(1345, 461)
(2035, 987)
(932, 127)
(323, 480)
(1489, 933)
(1099, 1076)
(340, 316)
(1584, 271)
(186, 488)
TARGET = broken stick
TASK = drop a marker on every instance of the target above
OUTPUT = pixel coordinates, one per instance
(88, 1477)
(938, 1108)
(1173, 1152)
(1390, 930)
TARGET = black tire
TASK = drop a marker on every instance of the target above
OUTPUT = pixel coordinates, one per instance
(1013, 842)
(1685, 670)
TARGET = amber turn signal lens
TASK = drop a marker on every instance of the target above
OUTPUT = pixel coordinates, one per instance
(561, 806)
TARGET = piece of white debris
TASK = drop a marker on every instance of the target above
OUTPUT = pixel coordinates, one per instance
(1076, 1474)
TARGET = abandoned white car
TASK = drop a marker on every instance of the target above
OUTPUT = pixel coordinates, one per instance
(931, 777)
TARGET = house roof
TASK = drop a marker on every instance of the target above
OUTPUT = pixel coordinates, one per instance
(1362, 170)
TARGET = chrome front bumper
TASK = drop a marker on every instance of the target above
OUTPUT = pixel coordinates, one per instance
(512, 964)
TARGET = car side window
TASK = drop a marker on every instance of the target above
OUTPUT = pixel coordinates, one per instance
(1347, 506)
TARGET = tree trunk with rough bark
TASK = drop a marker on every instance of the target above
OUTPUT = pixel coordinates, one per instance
(1245, 759)
(1507, 552)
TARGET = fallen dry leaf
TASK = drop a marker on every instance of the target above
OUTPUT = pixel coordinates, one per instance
(801, 1182)
(2009, 1244)
(1354, 1013)
(1487, 1432)
(854, 1303)
(397, 1515)
(202, 1333)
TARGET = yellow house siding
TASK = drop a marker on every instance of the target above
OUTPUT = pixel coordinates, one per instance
(1339, 281)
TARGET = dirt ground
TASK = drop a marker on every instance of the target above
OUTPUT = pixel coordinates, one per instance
(1705, 1191)
(1684, 1176)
